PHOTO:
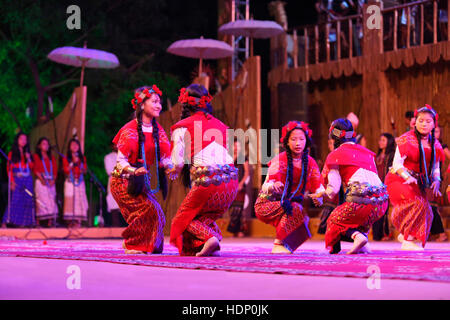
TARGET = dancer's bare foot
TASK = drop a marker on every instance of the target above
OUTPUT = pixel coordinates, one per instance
(128, 251)
(411, 246)
(442, 237)
(365, 249)
(279, 248)
(211, 245)
(400, 238)
(359, 241)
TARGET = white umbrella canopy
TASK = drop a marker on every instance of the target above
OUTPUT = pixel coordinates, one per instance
(83, 57)
(201, 48)
(252, 28)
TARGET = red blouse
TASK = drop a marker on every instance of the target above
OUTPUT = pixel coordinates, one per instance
(349, 158)
(278, 170)
(126, 141)
(22, 164)
(39, 166)
(203, 129)
(77, 169)
(409, 146)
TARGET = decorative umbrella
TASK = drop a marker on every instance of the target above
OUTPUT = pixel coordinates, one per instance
(83, 57)
(201, 48)
(252, 29)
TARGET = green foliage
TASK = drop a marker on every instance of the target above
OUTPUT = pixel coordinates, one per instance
(137, 32)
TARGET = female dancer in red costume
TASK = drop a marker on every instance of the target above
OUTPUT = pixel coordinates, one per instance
(202, 139)
(415, 172)
(291, 174)
(140, 143)
(352, 167)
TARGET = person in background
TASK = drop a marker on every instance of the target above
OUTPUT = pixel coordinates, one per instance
(20, 209)
(240, 209)
(46, 170)
(361, 139)
(115, 219)
(410, 120)
(328, 204)
(383, 160)
(75, 200)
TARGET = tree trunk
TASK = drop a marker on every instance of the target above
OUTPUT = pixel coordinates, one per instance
(40, 116)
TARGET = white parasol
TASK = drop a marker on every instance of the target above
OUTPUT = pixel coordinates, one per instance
(252, 29)
(201, 49)
(83, 57)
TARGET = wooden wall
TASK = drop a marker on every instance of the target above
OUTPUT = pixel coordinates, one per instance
(403, 89)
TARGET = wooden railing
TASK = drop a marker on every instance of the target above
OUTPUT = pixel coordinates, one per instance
(403, 26)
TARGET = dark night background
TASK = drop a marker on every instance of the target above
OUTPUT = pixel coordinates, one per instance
(137, 32)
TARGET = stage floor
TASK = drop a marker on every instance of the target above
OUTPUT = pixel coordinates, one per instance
(32, 269)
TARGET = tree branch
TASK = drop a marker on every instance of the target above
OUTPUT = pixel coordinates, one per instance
(58, 84)
(11, 113)
(139, 64)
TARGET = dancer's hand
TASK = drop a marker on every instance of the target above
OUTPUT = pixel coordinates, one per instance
(317, 198)
(140, 171)
(172, 173)
(277, 187)
(435, 188)
(410, 180)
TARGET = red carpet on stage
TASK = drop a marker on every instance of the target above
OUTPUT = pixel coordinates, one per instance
(431, 265)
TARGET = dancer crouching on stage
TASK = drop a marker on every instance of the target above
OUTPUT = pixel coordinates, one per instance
(202, 139)
(353, 167)
(414, 177)
(140, 143)
(291, 174)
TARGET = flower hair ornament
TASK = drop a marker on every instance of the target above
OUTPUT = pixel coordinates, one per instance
(291, 125)
(341, 133)
(429, 109)
(146, 93)
(201, 103)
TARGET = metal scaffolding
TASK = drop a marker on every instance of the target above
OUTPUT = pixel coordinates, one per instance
(240, 10)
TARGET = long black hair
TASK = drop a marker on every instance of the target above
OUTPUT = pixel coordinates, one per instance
(15, 150)
(346, 125)
(423, 184)
(286, 202)
(155, 134)
(341, 124)
(198, 91)
(79, 152)
(38, 150)
(390, 148)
